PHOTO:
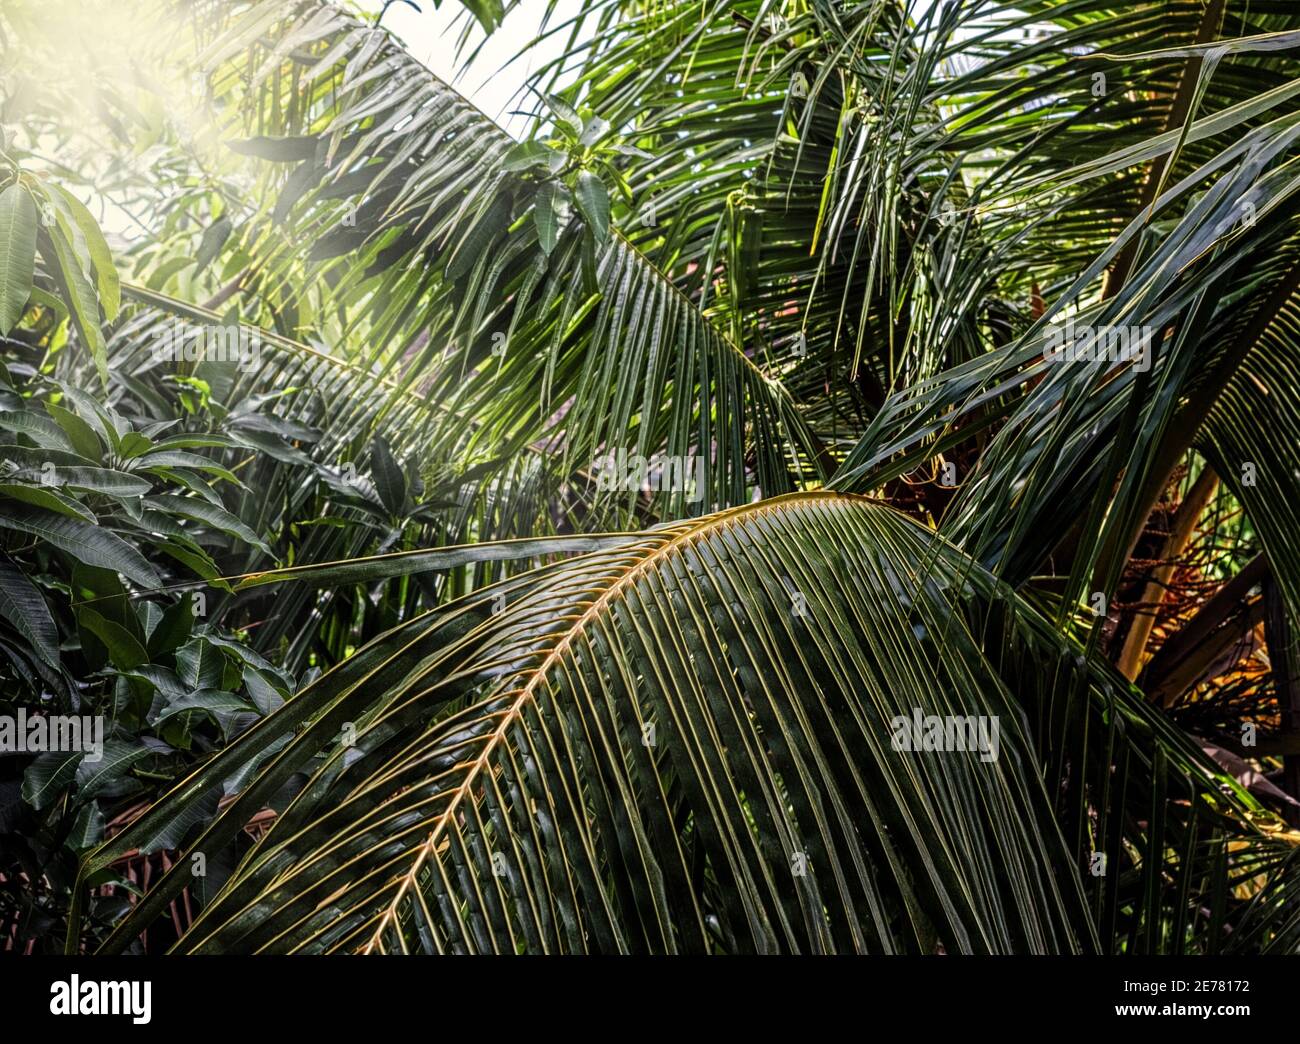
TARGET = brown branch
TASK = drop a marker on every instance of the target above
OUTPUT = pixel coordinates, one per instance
(1185, 657)
(1130, 660)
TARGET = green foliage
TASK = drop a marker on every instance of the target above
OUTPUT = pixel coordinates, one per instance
(301, 482)
(107, 517)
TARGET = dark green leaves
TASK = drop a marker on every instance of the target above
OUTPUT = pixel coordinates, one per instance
(115, 760)
(690, 261)
(743, 674)
(24, 607)
(47, 776)
(208, 514)
(207, 701)
(85, 542)
(389, 479)
(81, 267)
(101, 264)
(565, 114)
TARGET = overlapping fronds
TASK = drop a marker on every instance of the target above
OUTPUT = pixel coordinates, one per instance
(690, 743)
(453, 273)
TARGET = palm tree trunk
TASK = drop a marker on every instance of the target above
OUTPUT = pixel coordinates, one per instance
(1130, 660)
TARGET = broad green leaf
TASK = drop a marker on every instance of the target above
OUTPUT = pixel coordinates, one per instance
(118, 757)
(23, 605)
(593, 130)
(565, 112)
(78, 294)
(389, 479)
(210, 701)
(182, 459)
(17, 253)
(93, 545)
(263, 694)
(103, 480)
(48, 776)
(82, 435)
(546, 216)
(134, 444)
(124, 650)
(200, 664)
(106, 277)
(40, 429)
(208, 514)
(593, 202)
(527, 155)
(174, 628)
(87, 829)
(50, 499)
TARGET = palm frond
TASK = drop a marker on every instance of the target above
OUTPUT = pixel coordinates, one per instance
(688, 743)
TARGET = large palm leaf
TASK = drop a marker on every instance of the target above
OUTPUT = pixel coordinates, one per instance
(686, 744)
(424, 236)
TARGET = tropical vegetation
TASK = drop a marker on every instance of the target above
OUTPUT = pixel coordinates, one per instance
(540, 538)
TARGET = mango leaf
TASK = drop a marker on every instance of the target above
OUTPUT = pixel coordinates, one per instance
(565, 112)
(87, 829)
(83, 304)
(106, 278)
(25, 608)
(174, 628)
(103, 480)
(526, 155)
(79, 433)
(200, 664)
(124, 650)
(208, 514)
(93, 545)
(389, 480)
(546, 217)
(118, 757)
(17, 253)
(47, 776)
(593, 202)
(210, 701)
(43, 497)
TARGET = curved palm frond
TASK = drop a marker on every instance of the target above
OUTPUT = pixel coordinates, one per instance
(690, 743)
(428, 242)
